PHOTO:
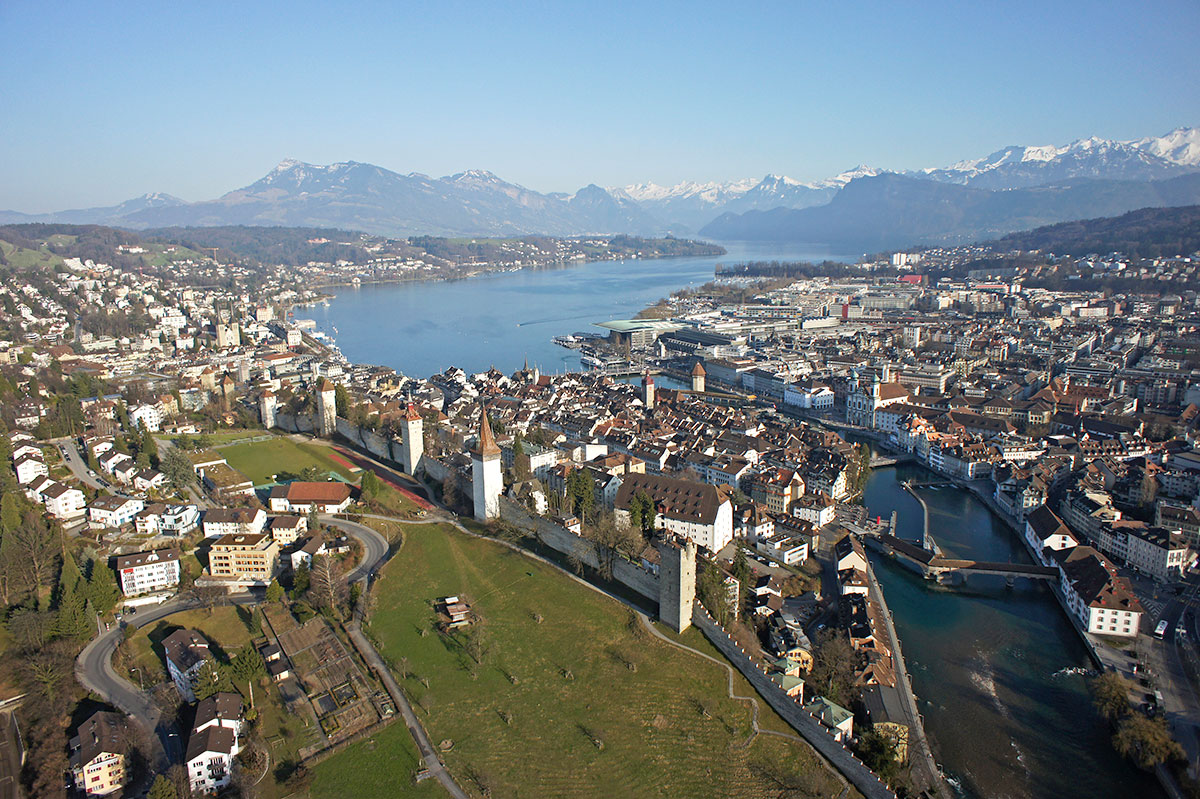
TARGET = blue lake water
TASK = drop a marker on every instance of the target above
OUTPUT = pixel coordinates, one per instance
(502, 319)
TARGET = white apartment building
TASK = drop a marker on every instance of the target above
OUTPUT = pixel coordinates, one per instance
(148, 572)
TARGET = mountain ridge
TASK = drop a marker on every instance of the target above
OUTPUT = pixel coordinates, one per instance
(477, 202)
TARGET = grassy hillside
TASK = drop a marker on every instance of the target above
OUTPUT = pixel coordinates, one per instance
(554, 692)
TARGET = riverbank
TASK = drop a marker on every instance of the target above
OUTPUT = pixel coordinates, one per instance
(997, 671)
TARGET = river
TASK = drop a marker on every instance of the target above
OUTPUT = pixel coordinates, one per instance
(990, 665)
(500, 319)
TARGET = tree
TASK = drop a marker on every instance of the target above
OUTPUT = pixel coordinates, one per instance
(612, 541)
(102, 591)
(581, 490)
(38, 545)
(314, 520)
(1110, 695)
(878, 752)
(71, 616)
(247, 664)
(1146, 741)
(341, 399)
(371, 485)
(274, 591)
(301, 579)
(178, 468)
(832, 673)
(327, 590)
(710, 588)
(162, 788)
(212, 679)
(741, 570)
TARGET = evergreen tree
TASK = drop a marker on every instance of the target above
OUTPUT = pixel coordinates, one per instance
(102, 591)
(300, 581)
(212, 679)
(71, 616)
(10, 511)
(162, 788)
(247, 664)
(274, 591)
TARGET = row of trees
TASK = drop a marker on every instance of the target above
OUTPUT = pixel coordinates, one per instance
(1144, 740)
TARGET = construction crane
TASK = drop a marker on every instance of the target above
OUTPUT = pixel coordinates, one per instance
(213, 250)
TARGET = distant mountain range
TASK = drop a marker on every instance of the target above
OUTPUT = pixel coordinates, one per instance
(860, 209)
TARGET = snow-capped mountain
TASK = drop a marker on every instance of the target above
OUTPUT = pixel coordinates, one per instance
(1154, 158)
(690, 205)
(1180, 146)
(359, 196)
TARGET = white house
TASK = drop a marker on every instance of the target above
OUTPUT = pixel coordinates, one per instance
(29, 468)
(161, 519)
(147, 415)
(186, 653)
(63, 502)
(790, 549)
(1102, 601)
(688, 509)
(148, 572)
(233, 521)
(114, 512)
(214, 742)
(1044, 530)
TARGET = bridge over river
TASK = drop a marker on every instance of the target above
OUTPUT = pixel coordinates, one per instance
(934, 566)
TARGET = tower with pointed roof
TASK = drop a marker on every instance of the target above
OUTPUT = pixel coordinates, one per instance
(266, 408)
(648, 391)
(326, 408)
(698, 374)
(487, 481)
(413, 445)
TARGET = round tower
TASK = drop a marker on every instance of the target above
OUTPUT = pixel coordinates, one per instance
(698, 374)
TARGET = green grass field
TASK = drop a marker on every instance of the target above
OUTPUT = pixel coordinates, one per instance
(21, 258)
(222, 627)
(262, 459)
(379, 766)
(578, 704)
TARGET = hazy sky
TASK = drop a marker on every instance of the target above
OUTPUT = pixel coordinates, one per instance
(100, 102)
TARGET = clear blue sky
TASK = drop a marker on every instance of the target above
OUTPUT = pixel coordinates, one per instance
(100, 102)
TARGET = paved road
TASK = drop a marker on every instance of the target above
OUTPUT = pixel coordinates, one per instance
(375, 547)
(197, 498)
(10, 757)
(77, 464)
(94, 670)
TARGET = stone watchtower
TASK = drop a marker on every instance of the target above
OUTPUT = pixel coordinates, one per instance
(698, 374)
(487, 481)
(413, 445)
(676, 582)
(266, 408)
(648, 391)
(326, 421)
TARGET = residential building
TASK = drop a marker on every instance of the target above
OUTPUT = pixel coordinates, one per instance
(233, 521)
(301, 497)
(244, 557)
(148, 572)
(1102, 601)
(186, 652)
(113, 512)
(98, 754)
(696, 511)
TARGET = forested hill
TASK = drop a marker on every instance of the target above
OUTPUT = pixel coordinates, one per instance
(1145, 233)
